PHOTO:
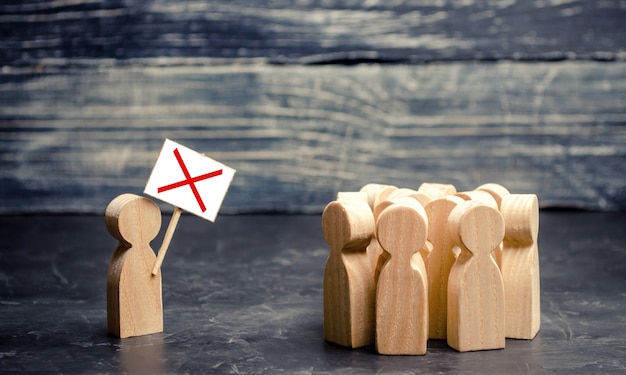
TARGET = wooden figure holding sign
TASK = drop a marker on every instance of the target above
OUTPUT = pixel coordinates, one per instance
(183, 178)
(134, 304)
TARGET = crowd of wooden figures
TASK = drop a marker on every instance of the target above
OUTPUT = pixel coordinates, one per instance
(408, 265)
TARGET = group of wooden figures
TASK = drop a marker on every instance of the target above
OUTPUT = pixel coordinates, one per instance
(408, 265)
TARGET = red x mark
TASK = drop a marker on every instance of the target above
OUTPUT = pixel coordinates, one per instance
(189, 181)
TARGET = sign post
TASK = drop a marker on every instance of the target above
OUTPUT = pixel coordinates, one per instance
(190, 181)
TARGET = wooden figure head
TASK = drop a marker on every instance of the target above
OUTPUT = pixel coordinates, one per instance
(347, 225)
(132, 219)
(476, 226)
(497, 191)
(402, 226)
(521, 215)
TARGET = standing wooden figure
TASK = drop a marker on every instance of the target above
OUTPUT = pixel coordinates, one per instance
(402, 290)
(498, 192)
(475, 287)
(488, 199)
(134, 298)
(439, 263)
(375, 252)
(520, 265)
(349, 288)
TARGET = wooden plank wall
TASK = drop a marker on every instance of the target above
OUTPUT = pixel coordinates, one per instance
(307, 98)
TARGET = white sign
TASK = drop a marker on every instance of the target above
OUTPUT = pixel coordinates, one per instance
(189, 180)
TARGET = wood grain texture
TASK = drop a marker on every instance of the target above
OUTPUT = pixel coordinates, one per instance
(169, 233)
(402, 288)
(498, 192)
(349, 285)
(73, 139)
(439, 263)
(158, 31)
(134, 297)
(520, 266)
(479, 196)
(476, 310)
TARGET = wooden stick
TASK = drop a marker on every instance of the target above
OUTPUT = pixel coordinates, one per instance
(169, 233)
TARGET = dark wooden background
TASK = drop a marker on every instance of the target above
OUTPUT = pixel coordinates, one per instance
(307, 98)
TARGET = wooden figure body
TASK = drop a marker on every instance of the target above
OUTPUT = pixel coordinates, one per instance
(439, 263)
(381, 199)
(402, 290)
(520, 265)
(134, 297)
(349, 288)
(475, 288)
(373, 250)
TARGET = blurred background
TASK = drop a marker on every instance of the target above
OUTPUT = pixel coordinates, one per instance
(307, 98)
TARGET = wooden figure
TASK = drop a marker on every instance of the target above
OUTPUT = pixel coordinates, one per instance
(383, 194)
(475, 288)
(392, 198)
(134, 299)
(497, 191)
(436, 190)
(479, 196)
(373, 250)
(360, 195)
(380, 207)
(426, 251)
(375, 194)
(487, 198)
(520, 265)
(439, 262)
(349, 288)
(372, 191)
(390, 195)
(381, 201)
(422, 198)
(402, 290)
